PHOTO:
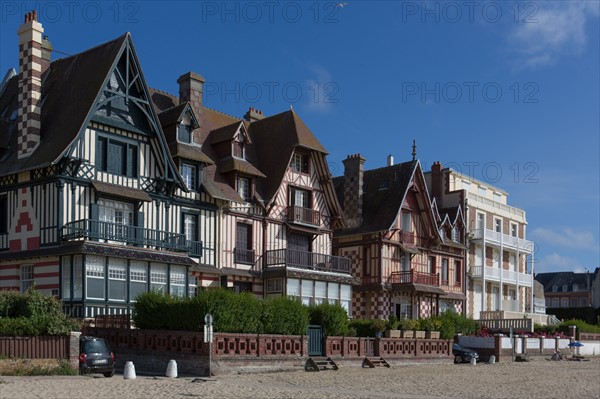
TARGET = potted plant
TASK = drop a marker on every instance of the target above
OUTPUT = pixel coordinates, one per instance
(419, 332)
(430, 327)
(392, 328)
(406, 328)
(379, 327)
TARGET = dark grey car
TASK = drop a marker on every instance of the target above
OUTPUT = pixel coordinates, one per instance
(463, 355)
(95, 356)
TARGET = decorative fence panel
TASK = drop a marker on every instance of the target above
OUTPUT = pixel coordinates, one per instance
(36, 347)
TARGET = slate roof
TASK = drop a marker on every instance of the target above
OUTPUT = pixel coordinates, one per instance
(380, 206)
(548, 280)
(70, 86)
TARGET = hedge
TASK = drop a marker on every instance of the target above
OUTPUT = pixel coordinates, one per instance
(333, 318)
(589, 314)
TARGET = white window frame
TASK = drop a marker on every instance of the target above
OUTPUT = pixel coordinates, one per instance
(158, 277)
(177, 280)
(117, 274)
(95, 271)
(297, 163)
(189, 175)
(274, 285)
(244, 188)
(27, 273)
(138, 274)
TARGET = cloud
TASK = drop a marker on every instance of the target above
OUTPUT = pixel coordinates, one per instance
(322, 91)
(567, 238)
(557, 263)
(555, 30)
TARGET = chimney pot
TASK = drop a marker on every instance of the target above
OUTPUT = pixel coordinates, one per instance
(390, 160)
(253, 115)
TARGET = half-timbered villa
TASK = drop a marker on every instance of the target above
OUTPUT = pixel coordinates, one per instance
(109, 188)
(407, 256)
(273, 190)
(92, 206)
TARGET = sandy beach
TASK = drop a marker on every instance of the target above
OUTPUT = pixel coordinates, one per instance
(535, 379)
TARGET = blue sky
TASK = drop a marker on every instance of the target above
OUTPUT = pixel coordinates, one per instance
(507, 92)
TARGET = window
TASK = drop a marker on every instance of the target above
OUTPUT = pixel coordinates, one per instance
(274, 285)
(293, 287)
(177, 278)
(384, 184)
(444, 271)
(66, 277)
(116, 217)
(406, 225)
(117, 279)
(497, 197)
(320, 292)
(189, 175)
(243, 244)
(480, 221)
(299, 197)
(242, 286)
(238, 150)
(299, 163)
(117, 157)
(94, 271)
(366, 261)
(333, 293)
(564, 302)
(482, 191)
(3, 215)
(457, 272)
(190, 226)
(455, 235)
(346, 297)
(555, 302)
(184, 133)
(512, 262)
(192, 286)
(138, 276)
(565, 288)
(26, 277)
(555, 288)
(308, 292)
(158, 277)
(513, 229)
(244, 188)
(431, 265)
(405, 263)
(498, 225)
(575, 287)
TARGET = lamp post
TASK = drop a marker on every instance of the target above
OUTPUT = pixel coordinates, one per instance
(208, 337)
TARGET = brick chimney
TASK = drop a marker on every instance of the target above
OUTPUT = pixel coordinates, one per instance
(191, 89)
(46, 53)
(353, 189)
(253, 115)
(437, 181)
(30, 84)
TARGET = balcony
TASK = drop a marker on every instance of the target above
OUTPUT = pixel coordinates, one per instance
(407, 237)
(243, 255)
(507, 242)
(414, 277)
(506, 276)
(307, 260)
(129, 235)
(495, 204)
(297, 214)
(249, 208)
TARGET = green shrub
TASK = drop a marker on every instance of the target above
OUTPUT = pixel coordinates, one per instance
(362, 328)
(333, 318)
(392, 323)
(581, 325)
(379, 325)
(285, 316)
(452, 323)
(33, 313)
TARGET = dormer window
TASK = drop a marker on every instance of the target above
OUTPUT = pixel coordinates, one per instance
(299, 163)
(238, 149)
(184, 133)
(455, 235)
(189, 173)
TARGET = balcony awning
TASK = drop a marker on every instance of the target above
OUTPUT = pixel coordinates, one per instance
(303, 229)
(454, 295)
(121, 191)
(410, 250)
(411, 287)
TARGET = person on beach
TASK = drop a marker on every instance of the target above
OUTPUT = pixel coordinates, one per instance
(557, 355)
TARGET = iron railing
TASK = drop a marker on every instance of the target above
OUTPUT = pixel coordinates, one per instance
(126, 234)
(243, 255)
(297, 214)
(307, 260)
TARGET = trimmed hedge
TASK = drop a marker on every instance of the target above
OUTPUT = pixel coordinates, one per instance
(232, 313)
(589, 314)
(333, 318)
(33, 313)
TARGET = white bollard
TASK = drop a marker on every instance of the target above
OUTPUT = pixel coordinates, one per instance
(492, 359)
(172, 369)
(473, 362)
(129, 372)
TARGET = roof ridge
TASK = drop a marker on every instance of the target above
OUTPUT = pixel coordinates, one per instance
(123, 36)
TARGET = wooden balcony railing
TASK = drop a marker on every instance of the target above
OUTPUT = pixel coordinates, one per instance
(297, 214)
(129, 235)
(307, 260)
(243, 255)
(414, 277)
(407, 237)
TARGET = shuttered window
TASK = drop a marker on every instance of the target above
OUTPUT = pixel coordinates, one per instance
(117, 157)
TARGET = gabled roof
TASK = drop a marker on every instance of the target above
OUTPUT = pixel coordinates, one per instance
(70, 86)
(173, 115)
(384, 190)
(275, 139)
(548, 280)
(226, 133)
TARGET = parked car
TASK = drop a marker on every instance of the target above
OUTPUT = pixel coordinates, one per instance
(463, 355)
(95, 356)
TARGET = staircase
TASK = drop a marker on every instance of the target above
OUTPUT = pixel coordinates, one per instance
(318, 364)
(373, 362)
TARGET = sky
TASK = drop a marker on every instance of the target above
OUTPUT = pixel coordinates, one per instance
(507, 92)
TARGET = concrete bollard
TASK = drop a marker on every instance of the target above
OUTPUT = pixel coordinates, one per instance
(473, 362)
(129, 372)
(172, 369)
(492, 359)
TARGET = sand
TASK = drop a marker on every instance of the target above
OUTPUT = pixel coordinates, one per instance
(535, 379)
